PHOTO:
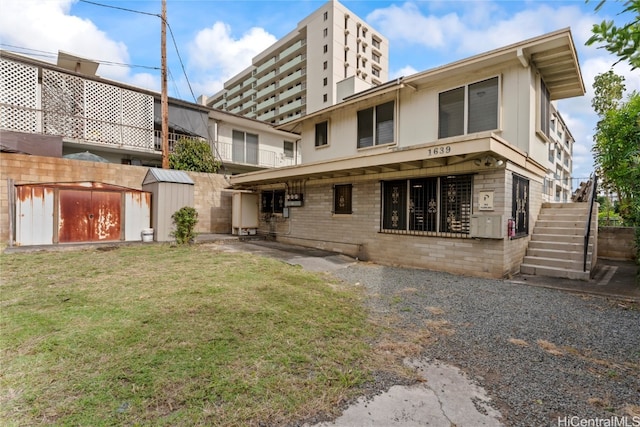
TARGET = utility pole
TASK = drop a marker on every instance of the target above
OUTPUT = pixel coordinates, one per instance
(164, 100)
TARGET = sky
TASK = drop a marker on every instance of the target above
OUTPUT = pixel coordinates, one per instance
(209, 41)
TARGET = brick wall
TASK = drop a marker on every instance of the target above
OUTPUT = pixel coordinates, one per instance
(211, 201)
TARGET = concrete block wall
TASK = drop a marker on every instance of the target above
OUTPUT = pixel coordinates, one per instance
(211, 201)
(616, 242)
(359, 234)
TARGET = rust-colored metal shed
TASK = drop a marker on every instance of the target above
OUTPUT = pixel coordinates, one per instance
(74, 212)
(171, 190)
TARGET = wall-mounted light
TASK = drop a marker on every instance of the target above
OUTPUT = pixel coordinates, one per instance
(488, 162)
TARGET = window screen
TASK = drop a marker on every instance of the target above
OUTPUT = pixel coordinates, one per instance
(365, 128)
(545, 114)
(238, 146)
(451, 113)
(483, 106)
(321, 134)
(384, 123)
(252, 149)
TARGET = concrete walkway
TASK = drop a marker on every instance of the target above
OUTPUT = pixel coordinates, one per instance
(445, 397)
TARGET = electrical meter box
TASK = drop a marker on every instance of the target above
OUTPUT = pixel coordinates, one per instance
(244, 213)
(487, 226)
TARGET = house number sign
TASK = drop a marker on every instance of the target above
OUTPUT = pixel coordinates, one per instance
(438, 151)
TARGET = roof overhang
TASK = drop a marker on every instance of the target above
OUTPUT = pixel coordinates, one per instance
(415, 159)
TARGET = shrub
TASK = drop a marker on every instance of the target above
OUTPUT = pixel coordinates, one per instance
(193, 155)
(185, 220)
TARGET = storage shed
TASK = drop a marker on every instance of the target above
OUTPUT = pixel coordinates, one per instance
(171, 190)
(73, 212)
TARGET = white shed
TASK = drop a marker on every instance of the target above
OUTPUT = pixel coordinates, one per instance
(171, 190)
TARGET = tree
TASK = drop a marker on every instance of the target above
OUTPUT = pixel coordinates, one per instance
(608, 89)
(617, 155)
(624, 41)
(193, 155)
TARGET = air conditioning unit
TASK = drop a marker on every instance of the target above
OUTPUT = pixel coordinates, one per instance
(487, 226)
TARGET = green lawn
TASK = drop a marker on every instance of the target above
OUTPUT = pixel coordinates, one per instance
(160, 335)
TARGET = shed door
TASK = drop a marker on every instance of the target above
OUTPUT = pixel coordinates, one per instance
(87, 216)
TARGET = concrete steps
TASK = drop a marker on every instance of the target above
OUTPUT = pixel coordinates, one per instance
(556, 248)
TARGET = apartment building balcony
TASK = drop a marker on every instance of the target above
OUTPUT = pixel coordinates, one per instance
(268, 115)
(292, 50)
(267, 90)
(266, 79)
(233, 101)
(264, 66)
(294, 92)
(267, 104)
(249, 156)
(173, 138)
(298, 75)
(294, 63)
(286, 108)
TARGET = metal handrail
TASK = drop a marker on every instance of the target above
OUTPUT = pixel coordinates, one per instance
(587, 231)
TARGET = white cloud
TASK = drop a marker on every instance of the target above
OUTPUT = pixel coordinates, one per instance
(407, 24)
(402, 72)
(46, 25)
(481, 27)
(215, 55)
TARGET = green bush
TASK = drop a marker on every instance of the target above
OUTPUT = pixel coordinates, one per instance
(185, 220)
(193, 155)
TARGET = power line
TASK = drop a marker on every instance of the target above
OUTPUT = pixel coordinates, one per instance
(120, 8)
(47, 54)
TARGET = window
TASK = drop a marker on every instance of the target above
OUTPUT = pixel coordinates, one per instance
(325, 65)
(288, 149)
(520, 205)
(375, 42)
(325, 97)
(480, 114)
(324, 81)
(375, 125)
(325, 32)
(545, 109)
(342, 199)
(322, 130)
(325, 49)
(244, 147)
(375, 57)
(272, 201)
(326, 16)
(375, 71)
(438, 205)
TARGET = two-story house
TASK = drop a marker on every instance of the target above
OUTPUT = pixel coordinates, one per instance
(443, 169)
(65, 109)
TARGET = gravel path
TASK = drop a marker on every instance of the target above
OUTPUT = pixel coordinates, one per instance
(541, 354)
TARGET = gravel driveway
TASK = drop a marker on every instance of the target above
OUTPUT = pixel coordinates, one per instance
(541, 354)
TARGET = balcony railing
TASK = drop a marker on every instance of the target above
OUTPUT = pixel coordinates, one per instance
(173, 138)
(263, 158)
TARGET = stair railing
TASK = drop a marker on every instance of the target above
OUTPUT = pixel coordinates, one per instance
(587, 228)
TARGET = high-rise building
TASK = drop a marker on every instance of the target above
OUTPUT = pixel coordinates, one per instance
(330, 55)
